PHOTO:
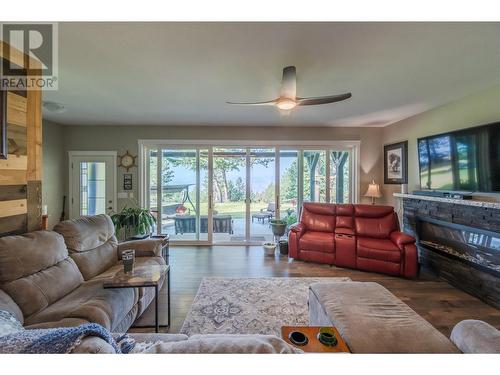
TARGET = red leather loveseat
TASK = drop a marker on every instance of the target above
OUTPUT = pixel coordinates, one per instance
(359, 236)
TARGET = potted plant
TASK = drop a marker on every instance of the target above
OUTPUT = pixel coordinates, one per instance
(278, 227)
(269, 248)
(283, 246)
(136, 222)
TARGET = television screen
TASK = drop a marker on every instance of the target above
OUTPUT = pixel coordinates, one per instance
(464, 160)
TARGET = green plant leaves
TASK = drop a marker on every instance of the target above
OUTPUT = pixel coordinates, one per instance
(133, 219)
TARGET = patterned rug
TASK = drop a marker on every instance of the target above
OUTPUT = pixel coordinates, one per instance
(250, 305)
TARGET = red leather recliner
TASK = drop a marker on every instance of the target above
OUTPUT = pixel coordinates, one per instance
(359, 236)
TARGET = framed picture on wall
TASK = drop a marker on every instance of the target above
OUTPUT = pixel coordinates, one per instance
(3, 124)
(127, 181)
(396, 163)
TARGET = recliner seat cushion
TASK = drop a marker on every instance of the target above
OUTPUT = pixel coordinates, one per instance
(378, 249)
(36, 271)
(90, 302)
(317, 241)
(91, 242)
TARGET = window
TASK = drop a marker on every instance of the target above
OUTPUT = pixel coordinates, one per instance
(230, 193)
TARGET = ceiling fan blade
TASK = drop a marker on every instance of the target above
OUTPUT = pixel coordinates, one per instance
(323, 99)
(289, 83)
(270, 102)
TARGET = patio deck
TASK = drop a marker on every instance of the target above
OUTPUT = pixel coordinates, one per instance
(258, 232)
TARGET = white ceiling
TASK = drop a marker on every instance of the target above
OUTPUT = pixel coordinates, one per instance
(183, 73)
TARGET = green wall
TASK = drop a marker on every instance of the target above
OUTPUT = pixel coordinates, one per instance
(478, 109)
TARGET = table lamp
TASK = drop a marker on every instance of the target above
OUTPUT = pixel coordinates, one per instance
(373, 191)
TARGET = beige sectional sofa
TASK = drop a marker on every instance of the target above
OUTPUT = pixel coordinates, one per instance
(372, 320)
(54, 278)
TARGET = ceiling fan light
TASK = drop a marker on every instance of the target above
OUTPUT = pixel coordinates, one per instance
(286, 104)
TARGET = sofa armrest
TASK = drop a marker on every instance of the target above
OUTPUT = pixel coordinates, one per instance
(298, 228)
(401, 239)
(221, 344)
(149, 247)
(96, 345)
(93, 345)
(476, 336)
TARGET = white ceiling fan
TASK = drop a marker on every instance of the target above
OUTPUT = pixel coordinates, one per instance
(288, 99)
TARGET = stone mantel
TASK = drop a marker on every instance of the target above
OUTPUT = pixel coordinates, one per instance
(465, 202)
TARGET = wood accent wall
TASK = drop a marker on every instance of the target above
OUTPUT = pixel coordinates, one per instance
(21, 172)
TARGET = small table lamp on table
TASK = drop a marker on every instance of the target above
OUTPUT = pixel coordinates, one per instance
(373, 191)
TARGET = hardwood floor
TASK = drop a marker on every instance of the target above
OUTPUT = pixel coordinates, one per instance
(440, 303)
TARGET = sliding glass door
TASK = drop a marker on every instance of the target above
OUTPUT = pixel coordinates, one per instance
(178, 192)
(289, 184)
(340, 177)
(230, 194)
(262, 170)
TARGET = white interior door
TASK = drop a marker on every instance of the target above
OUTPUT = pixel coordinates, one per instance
(92, 183)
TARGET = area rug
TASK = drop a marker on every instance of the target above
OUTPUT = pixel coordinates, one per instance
(250, 305)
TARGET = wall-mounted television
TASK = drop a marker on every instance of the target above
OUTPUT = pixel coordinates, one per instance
(463, 160)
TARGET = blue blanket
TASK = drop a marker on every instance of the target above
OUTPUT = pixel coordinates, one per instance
(59, 340)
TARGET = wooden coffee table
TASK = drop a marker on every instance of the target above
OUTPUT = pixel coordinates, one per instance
(313, 345)
(143, 277)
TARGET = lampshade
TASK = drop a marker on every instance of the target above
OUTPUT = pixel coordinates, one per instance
(373, 190)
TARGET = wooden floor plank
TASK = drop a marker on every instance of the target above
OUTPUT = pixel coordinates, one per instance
(435, 300)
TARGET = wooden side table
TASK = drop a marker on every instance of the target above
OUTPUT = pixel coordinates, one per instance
(314, 345)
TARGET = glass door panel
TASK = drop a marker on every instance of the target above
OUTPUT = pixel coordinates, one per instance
(92, 188)
(219, 195)
(92, 184)
(152, 193)
(340, 177)
(262, 193)
(314, 186)
(203, 194)
(289, 173)
(229, 194)
(178, 194)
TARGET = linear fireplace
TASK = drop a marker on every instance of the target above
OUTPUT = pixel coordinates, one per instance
(458, 241)
(477, 247)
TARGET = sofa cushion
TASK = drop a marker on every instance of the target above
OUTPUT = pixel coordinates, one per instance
(380, 227)
(372, 320)
(91, 302)
(220, 344)
(95, 261)
(36, 271)
(8, 304)
(317, 241)
(91, 243)
(86, 232)
(32, 252)
(372, 211)
(380, 249)
(35, 292)
(318, 217)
